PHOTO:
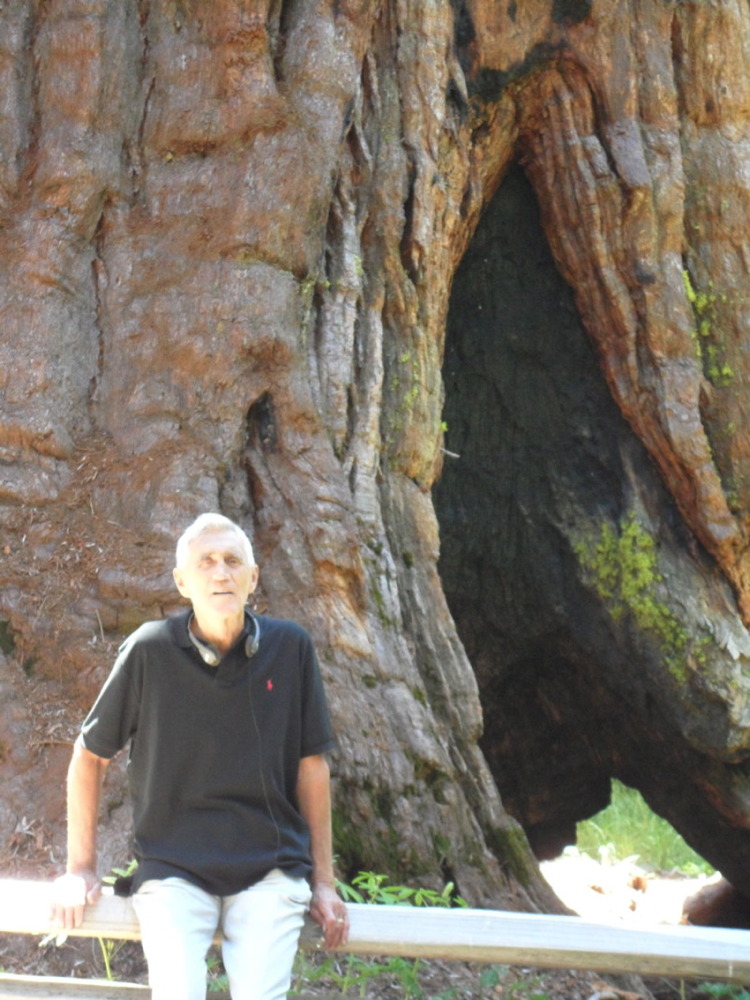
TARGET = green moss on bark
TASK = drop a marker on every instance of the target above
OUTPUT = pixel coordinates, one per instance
(623, 568)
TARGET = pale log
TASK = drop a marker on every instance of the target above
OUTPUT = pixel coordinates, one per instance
(458, 934)
(59, 988)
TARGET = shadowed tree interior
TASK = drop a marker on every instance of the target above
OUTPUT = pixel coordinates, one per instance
(538, 454)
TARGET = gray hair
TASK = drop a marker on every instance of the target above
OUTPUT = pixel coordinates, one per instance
(205, 523)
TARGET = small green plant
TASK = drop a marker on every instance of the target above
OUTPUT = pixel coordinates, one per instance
(501, 979)
(218, 981)
(349, 972)
(108, 947)
(109, 950)
(117, 873)
(724, 991)
(628, 828)
(353, 973)
(370, 887)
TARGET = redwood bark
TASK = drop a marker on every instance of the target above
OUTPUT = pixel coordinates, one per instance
(229, 236)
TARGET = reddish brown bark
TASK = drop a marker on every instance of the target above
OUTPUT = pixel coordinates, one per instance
(228, 237)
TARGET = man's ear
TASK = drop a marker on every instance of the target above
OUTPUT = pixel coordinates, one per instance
(179, 579)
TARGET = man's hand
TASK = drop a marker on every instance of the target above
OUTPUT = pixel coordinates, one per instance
(70, 894)
(327, 909)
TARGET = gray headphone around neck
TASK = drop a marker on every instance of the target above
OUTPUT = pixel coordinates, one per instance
(212, 657)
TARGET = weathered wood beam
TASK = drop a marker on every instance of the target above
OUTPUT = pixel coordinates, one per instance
(551, 942)
(460, 934)
(58, 988)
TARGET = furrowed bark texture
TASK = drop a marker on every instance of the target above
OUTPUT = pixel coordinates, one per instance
(229, 236)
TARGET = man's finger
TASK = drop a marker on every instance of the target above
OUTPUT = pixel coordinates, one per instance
(69, 896)
(337, 931)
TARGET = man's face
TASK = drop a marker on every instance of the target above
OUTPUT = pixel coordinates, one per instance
(216, 576)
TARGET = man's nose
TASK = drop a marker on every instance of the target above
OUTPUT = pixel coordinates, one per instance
(221, 569)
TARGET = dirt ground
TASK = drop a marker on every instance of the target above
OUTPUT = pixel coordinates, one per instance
(611, 893)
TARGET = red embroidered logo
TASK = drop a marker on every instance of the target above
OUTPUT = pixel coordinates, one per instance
(269, 684)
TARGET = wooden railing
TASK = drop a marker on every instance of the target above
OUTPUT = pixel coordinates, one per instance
(463, 934)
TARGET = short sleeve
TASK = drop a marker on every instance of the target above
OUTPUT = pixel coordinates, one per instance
(113, 719)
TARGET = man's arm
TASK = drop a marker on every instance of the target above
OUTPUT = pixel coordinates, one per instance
(314, 798)
(80, 884)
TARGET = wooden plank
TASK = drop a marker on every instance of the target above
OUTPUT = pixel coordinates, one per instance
(25, 909)
(461, 934)
(551, 942)
(54, 988)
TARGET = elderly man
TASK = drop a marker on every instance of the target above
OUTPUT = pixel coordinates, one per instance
(227, 723)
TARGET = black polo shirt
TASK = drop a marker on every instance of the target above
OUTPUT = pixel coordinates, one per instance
(214, 751)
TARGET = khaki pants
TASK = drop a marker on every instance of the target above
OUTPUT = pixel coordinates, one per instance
(260, 928)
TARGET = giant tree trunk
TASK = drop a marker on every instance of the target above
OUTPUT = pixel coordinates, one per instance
(229, 236)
